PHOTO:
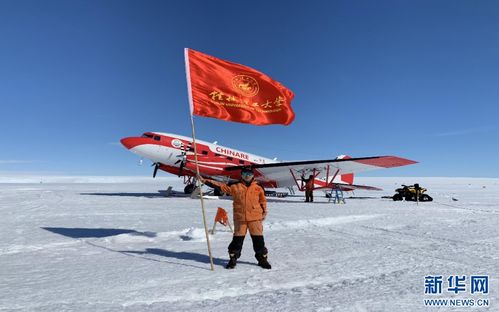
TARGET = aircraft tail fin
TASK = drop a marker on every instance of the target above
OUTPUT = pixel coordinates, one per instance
(344, 178)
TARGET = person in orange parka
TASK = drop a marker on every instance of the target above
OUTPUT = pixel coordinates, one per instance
(250, 209)
(309, 188)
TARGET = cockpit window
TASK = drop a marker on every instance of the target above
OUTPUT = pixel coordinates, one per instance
(157, 138)
(146, 135)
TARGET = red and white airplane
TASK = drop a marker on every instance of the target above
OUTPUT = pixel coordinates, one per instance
(175, 154)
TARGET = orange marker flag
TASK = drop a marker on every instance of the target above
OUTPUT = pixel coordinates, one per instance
(234, 92)
(222, 216)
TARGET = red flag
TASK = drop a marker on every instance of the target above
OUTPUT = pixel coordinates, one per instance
(234, 92)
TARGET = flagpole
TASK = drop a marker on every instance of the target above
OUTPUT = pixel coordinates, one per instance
(187, 72)
(201, 193)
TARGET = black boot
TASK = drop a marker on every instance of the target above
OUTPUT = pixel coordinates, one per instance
(235, 251)
(260, 251)
(263, 262)
(232, 262)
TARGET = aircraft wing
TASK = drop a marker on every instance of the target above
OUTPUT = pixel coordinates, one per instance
(284, 173)
(351, 187)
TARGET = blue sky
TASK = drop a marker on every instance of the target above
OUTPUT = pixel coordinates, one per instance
(417, 79)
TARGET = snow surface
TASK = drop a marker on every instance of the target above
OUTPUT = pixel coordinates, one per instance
(116, 244)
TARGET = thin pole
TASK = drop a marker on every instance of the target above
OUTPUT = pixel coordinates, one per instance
(201, 193)
(191, 105)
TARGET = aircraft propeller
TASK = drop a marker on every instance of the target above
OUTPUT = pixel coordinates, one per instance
(156, 166)
(183, 159)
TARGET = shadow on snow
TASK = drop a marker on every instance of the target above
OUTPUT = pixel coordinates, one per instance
(102, 232)
(148, 195)
(95, 233)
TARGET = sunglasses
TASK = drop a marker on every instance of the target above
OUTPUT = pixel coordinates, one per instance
(247, 174)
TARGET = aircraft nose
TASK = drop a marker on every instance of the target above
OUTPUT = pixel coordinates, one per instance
(130, 142)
